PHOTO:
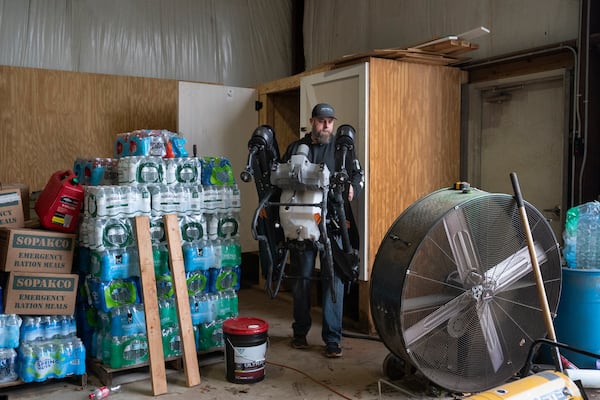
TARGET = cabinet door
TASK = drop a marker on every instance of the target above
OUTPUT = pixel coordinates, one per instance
(346, 90)
(220, 120)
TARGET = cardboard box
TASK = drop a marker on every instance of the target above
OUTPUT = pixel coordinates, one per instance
(36, 250)
(11, 208)
(40, 294)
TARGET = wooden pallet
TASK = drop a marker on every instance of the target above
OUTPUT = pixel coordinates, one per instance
(106, 374)
(79, 380)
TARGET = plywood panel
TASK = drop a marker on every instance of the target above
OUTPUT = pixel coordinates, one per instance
(49, 118)
(286, 118)
(414, 138)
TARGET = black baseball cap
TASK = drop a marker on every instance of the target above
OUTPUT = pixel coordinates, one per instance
(323, 110)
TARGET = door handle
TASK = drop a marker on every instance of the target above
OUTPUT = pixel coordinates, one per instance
(554, 211)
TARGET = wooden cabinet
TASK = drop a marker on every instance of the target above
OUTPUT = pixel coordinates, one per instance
(408, 124)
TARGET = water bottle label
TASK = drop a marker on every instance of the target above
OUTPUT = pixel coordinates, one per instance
(164, 286)
(197, 282)
(198, 258)
(228, 227)
(117, 234)
(191, 231)
(149, 171)
(187, 170)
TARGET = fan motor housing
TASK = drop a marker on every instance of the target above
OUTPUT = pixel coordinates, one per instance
(452, 287)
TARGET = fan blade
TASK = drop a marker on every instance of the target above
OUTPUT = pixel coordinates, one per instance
(461, 244)
(513, 268)
(490, 334)
(436, 318)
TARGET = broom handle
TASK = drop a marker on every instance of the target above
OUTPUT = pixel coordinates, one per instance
(536, 268)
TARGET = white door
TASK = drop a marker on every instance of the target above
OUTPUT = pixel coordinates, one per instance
(346, 90)
(220, 120)
(520, 127)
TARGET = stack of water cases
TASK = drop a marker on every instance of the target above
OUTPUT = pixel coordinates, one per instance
(9, 341)
(49, 348)
(34, 348)
(155, 177)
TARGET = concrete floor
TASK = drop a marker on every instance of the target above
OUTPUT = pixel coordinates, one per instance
(289, 374)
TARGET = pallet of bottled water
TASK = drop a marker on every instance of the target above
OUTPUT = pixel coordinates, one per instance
(54, 358)
(47, 347)
(9, 340)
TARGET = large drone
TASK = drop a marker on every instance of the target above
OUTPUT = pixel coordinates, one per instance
(293, 206)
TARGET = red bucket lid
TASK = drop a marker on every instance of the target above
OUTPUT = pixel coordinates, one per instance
(245, 326)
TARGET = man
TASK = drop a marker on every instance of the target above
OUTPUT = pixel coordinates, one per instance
(321, 142)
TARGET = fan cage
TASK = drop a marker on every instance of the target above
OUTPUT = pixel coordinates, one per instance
(415, 273)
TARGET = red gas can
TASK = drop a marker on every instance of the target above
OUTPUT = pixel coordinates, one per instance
(60, 202)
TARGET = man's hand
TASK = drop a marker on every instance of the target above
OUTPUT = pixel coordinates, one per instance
(350, 193)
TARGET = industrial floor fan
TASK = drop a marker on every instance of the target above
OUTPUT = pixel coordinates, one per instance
(452, 289)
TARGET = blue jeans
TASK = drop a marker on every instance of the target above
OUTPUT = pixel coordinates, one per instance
(302, 263)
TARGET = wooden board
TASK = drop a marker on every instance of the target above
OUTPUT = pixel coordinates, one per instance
(49, 118)
(156, 357)
(450, 46)
(408, 55)
(184, 315)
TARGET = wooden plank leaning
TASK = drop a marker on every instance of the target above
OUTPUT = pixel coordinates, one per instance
(184, 315)
(156, 357)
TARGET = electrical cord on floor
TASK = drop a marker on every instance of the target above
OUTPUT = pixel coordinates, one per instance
(311, 378)
(361, 336)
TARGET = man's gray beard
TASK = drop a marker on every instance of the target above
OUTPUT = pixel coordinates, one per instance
(322, 139)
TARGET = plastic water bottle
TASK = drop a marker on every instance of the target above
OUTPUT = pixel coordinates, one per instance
(148, 170)
(187, 170)
(202, 309)
(222, 306)
(211, 199)
(68, 326)
(127, 320)
(171, 341)
(213, 305)
(8, 367)
(52, 328)
(588, 236)
(570, 237)
(183, 196)
(31, 329)
(160, 256)
(10, 325)
(157, 229)
(170, 171)
(164, 200)
(167, 312)
(197, 282)
(138, 201)
(115, 263)
(231, 254)
(164, 286)
(129, 350)
(196, 205)
(199, 256)
(231, 298)
(74, 356)
(191, 229)
(112, 233)
(103, 392)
